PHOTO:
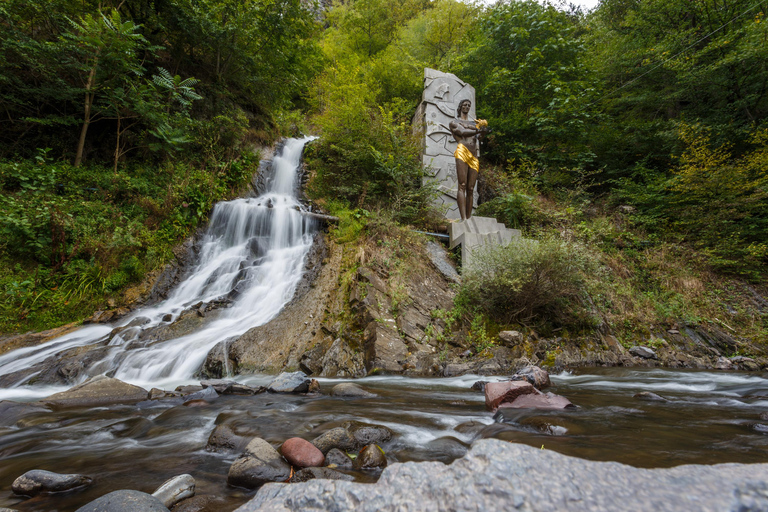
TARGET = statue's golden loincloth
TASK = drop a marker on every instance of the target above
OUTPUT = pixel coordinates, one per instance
(466, 156)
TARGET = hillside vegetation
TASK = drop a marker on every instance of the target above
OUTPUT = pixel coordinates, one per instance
(628, 143)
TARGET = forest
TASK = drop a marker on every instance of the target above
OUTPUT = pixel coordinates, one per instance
(629, 140)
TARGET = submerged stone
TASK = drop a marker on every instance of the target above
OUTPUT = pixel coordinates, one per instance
(98, 391)
(38, 481)
(350, 390)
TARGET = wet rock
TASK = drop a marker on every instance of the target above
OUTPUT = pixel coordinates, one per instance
(296, 382)
(539, 401)
(497, 393)
(242, 389)
(175, 489)
(3, 509)
(307, 474)
(338, 437)
(497, 475)
(364, 434)
(207, 395)
(338, 458)
(96, 392)
(200, 503)
(32, 339)
(443, 449)
(759, 427)
(125, 501)
(479, 386)
(649, 397)
(223, 438)
(220, 385)
(644, 352)
(196, 403)
(511, 338)
(132, 427)
(230, 387)
(314, 386)
(38, 481)
(167, 317)
(371, 456)
(544, 426)
(534, 375)
(350, 390)
(188, 390)
(763, 416)
(301, 453)
(12, 412)
(259, 464)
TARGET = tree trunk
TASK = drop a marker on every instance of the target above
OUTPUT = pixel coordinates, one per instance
(87, 114)
(117, 145)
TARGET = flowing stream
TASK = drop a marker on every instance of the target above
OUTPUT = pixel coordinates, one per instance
(253, 254)
(710, 417)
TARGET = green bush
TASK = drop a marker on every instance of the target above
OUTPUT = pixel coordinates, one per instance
(525, 280)
(514, 210)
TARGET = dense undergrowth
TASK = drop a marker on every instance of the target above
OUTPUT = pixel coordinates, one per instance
(74, 237)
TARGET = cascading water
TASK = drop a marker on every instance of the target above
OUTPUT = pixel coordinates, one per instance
(251, 255)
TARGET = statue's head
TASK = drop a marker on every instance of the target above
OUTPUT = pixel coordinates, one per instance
(460, 108)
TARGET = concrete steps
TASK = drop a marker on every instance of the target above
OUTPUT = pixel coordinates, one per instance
(477, 232)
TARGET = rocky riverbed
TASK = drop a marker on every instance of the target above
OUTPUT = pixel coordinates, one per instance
(231, 439)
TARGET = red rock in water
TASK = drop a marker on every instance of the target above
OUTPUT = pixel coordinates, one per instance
(539, 401)
(301, 453)
(497, 393)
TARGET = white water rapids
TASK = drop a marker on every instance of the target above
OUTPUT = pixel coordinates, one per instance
(253, 253)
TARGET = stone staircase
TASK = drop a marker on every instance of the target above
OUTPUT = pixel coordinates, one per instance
(476, 232)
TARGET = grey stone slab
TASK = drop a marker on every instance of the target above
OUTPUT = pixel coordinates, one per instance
(501, 476)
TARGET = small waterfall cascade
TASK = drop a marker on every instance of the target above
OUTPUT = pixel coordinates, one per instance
(251, 259)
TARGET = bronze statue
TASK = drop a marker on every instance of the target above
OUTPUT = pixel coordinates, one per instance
(467, 132)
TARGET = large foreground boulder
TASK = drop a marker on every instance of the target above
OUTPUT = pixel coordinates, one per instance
(497, 475)
(125, 501)
(96, 392)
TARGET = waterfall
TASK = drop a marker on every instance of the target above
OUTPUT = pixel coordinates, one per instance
(250, 258)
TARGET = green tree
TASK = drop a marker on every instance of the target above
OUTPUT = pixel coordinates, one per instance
(105, 54)
(526, 63)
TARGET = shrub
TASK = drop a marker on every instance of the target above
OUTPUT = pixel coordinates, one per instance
(525, 279)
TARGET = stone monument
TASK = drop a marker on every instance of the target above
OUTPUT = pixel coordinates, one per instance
(442, 94)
